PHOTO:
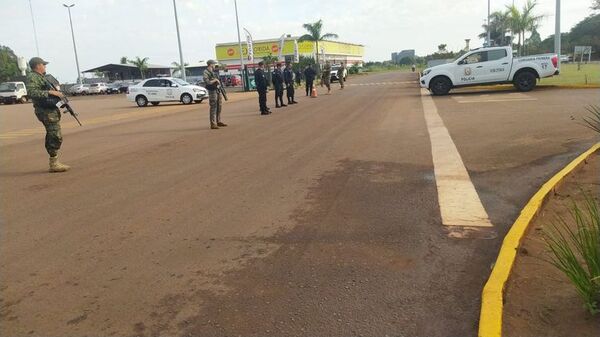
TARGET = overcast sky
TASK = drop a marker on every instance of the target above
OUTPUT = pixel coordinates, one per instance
(105, 30)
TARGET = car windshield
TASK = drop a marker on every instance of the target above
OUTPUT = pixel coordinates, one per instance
(180, 82)
(94, 85)
(4, 87)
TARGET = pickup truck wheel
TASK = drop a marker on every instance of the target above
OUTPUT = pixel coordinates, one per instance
(186, 99)
(155, 103)
(525, 81)
(440, 86)
(141, 101)
(23, 99)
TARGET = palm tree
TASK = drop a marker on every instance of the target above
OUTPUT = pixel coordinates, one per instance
(314, 34)
(523, 22)
(141, 64)
(179, 67)
(499, 26)
(124, 60)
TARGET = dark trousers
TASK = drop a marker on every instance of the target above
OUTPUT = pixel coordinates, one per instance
(290, 92)
(279, 95)
(262, 100)
(309, 87)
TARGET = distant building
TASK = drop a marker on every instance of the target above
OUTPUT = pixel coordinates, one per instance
(398, 56)
(128, 72)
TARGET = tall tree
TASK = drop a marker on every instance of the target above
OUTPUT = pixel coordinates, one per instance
(123, 60)
(141, 64)
(179, 67)
(596, 4)
(522, 22)
(499, 26)
(314, 35)
(442, 48)
(9, 67)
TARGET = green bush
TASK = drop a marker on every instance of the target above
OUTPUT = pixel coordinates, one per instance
(576, 252)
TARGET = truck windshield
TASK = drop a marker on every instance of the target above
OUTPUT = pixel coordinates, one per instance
(6, 87)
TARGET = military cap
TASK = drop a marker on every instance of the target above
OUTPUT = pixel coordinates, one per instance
(209, 62)
(35, 61)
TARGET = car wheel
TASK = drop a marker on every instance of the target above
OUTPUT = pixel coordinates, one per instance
(440, 86)
(23, 99)
(525, 81)
(186, 99)
(141, 101)
(155, 103)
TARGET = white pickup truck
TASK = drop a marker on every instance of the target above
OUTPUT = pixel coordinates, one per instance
(492, 65)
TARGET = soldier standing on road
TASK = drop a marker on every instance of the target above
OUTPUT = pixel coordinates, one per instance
(340, 75)
(288, 77)
(261, 86)
(278, 84)
(42, 94)
(326, 76)
(309, 76)
(211, 81)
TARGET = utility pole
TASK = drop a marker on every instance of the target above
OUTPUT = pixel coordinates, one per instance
(37, 48)
(489, 40)
(181, 64)
(557, 32)
(237, 22)
(74, 47)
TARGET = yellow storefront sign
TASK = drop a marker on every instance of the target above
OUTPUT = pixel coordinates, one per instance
(262, 49)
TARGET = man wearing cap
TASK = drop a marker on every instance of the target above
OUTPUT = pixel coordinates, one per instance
(211, 81)
(288, 77)
(278, 84)
(40, 91)
(262, 87)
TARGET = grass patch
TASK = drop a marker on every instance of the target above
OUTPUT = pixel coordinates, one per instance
(569, 75)
(576, 250)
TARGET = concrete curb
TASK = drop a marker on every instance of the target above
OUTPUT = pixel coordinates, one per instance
(490, 319)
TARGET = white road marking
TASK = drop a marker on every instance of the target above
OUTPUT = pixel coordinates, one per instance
(459, 202)
(508, 97)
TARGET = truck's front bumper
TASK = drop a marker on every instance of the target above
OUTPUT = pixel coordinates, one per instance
(424, 83)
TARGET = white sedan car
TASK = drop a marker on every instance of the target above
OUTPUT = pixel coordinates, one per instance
(165, 89)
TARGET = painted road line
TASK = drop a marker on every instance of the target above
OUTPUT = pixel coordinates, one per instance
(511, 97)
(459, 202)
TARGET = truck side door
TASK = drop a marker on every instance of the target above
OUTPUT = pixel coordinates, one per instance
(470, 69)
(497, 66)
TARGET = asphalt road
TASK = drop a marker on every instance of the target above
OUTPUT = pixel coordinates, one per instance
(321, 219)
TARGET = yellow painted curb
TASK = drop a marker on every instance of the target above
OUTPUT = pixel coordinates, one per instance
(490, 319)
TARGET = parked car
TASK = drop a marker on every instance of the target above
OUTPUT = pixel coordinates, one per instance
(113, 88)
(165, 89)
(13, 92)
(98, 88)
(79, 89)
(124, 87)
(565, 58)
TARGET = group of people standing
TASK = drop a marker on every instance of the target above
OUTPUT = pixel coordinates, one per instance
(285, 80)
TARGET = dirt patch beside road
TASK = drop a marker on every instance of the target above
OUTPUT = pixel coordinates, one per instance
(540, 300)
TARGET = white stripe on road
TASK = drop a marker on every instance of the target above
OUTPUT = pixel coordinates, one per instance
(459, 203)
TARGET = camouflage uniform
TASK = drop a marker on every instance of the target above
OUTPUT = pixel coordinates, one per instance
(37, 90)
(214, 98)
(326, 76)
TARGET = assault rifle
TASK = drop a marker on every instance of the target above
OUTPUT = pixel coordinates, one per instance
(61, 103)
(221, 90)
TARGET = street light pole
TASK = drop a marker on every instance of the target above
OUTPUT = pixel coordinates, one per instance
(37, 48)
(488, 26)
(181, 64)
(557, 36)
(237, 22)
(74, 47)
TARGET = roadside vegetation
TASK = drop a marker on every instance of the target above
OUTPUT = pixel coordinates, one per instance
(573, 74)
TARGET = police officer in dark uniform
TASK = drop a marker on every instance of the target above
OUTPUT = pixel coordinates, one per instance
(278, 84)
(262, 87)
(309, 76)
(288, 78)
